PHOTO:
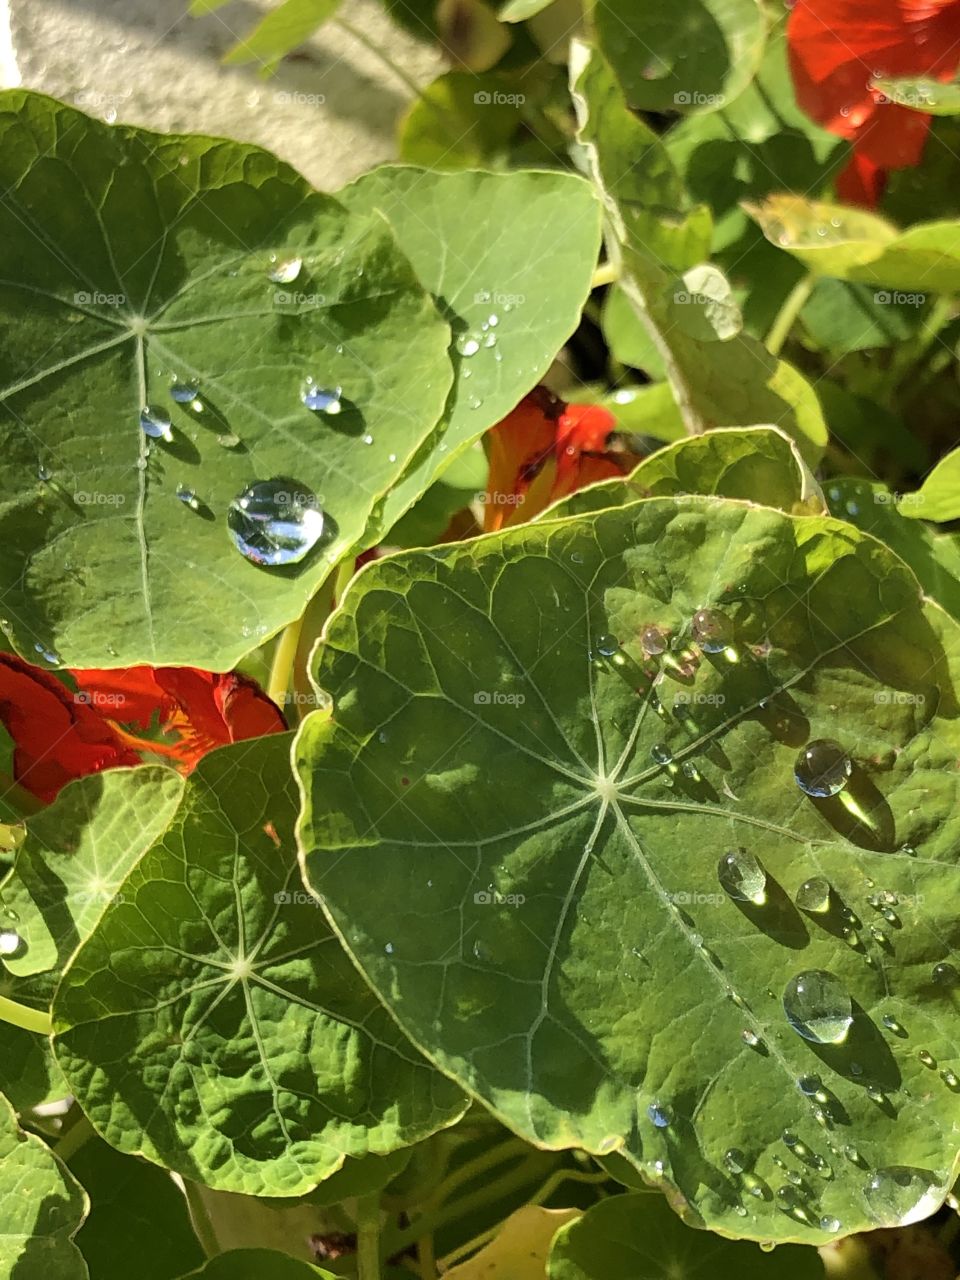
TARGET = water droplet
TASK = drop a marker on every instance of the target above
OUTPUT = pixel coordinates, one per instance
(184, 392)
(368, 438)
(945, 974)
(321, 399)
(830, 1224)
(791, 1202)
(10, 942)
(155, 423)
(275, 521)
(750, 1037)
(490, 340)
(822, 769)
(691, 771)
(735, 1160)
(810, 1085)
(227, 440)
(813, 896)
(742, 876)
(48, 655)
(188, 498)
(712, 630)
(285, 272)
(890, 1022)
(660, 1113)
(653, 640)
(467, 345)
(949, 1078)
(926, 1058)
(493, 320)
(899, 1195)
(879, 936)
(44, 473)
(661, 754)
(876, 1094)
(607, 646)
(818, 1006)
(854, 1156)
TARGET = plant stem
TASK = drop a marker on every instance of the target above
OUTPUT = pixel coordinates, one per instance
(511, 1149)
(74, 1138)
(19, 1015)
(281, 669)
(606, 273)
(368, 1237)
(426, 1257)
(382, 54)
(786, 317)
(200, 1219)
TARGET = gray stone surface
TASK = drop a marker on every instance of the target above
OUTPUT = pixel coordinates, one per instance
(331, 110)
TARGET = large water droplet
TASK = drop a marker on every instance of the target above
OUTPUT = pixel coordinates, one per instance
(735, 1160)
(822, 769)
(813, 896)
(660, 1113)
(653, 640)
(926, 1058)
(607, 646)
(467, 345)
(321, 399)
(155, 423)
(945, 974)
(10, 942)
(184, 392)
(285, 272)
(712, 630)
(900, 1194)
(742, 876)
(818, 1006)
(275, 521)
(661, 754)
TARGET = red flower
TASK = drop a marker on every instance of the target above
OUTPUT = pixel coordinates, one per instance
(59, 735)
(543, 450)
(839, 47)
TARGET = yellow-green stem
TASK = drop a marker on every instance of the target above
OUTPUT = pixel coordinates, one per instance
(281, 669)
(786, 317)
(19, 1015)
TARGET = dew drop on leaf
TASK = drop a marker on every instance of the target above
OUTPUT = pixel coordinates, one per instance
(286, 271)
(945, 974)
(10, 942)
(320, 399)
(810, 1085)
(822, 769)
(830, 1224)
(275, 522)
(899, 1195)
(467, 345)
(949, 1078)
(227, 440)
(750, 1037)
(742, 876)
(661, 754)
(818, 1006)
(735, 1160)
(184, 392)
(926, 1058)
(653, 640)
(813, 896)
(188, 497)
(155, 423)
(712, 630)
(660, 1113)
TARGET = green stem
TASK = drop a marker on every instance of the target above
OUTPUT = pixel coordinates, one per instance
(384, 57)
(606, 273)
(368, 1237)
(511, 1149)
(941, 313)
(200, 1219)
(281, 669)
(19, 1015)
(80, 1131)
(426, 1257)
(786, 317)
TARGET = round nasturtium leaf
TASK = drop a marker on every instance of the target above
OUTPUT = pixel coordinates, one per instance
(572, 857)
(212, 1022)
(138, 268)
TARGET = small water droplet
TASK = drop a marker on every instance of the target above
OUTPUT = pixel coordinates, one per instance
(735, 1160)
(822, 768)
(227, 440)
(660, 1113)
(926, 1058)
(830, 1224)
(712, 630)
(898, 1195)
(945, 974)
(813, 896)
(742, 876)
(368, 438)
(890, 1022)
(490, 340)
(467, 345)
(750, 1037)
(275, 521)
(321, 399)
(286, 271)
(44, 473)
(691, 771)
(810, 1085)
(493, 320)
(818, 1006)
(185, 393)
(876, 1094)
(188, 497)
(48, 655)
(949, 1078)
(878, 935)
(661, 754)
(155, 423)
(653, 640)
(388, 948)
(854, 1156)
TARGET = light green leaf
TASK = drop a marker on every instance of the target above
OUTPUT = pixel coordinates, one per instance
(77, 853)
(691, 56)
(519, 1249)
(502, 774)
(938, 498)
(851, 244)
(754, 464)
(629, 340)
(625, 1237)
(281, 29)
(257, 1264)
(927, 96)
(41, 1207)
(459, 121)
(509, 258)
(520, 10)
(136, 1212)
(841, 317)
(733, 383)
(182, 229)
(647, 411)
(212, 1023)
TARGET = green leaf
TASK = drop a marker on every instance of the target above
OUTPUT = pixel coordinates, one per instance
(103, 564)
(519, 1249)
(938, 498)
(927, 96)
(520, 10)
(934, 557)
(753, 464)
(647, 411)
(257, 1264)
(691, 56)
(29, 1077)
(136, 1212)
(719, 377)
(280, 30)
(842, 317)
(212, 1023)
(500, 771)
(77, 854)
(629, 340)
(41, 1207)
(624, 1237)
(851, 244)
(459, 121)
(511, 292)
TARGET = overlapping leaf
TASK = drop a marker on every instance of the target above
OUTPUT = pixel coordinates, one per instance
(212, 1023)
(131, 260)
(526, 865)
